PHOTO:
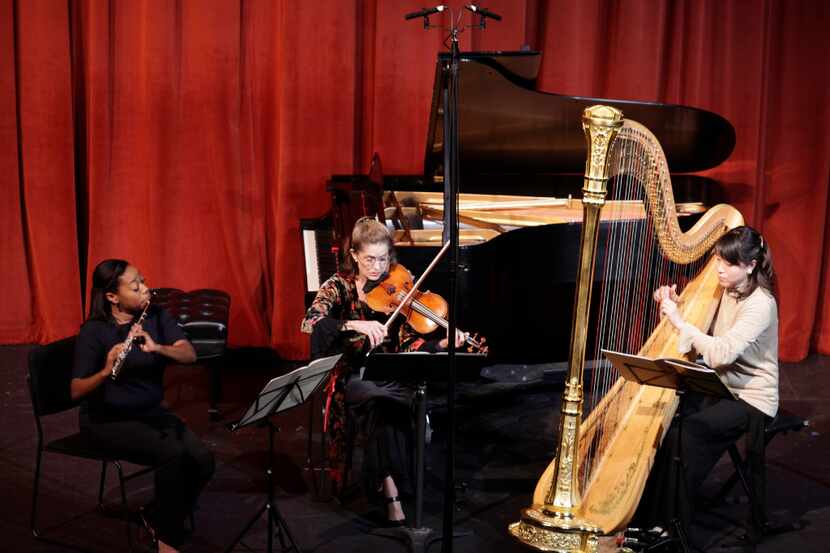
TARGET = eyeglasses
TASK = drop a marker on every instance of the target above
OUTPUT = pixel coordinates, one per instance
(371, 260)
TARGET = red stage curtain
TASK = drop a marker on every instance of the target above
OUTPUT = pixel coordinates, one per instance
(755, 63)
(172, 184)
(193, 135)
(41, 288)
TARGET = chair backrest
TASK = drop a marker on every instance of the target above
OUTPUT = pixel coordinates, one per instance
(50, 377)
(203, 316)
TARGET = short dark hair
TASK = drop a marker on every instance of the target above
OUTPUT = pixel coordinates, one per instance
(744, 245)
(105, 280)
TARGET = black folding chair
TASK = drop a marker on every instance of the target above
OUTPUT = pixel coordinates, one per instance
(50, 375)
(750, 471)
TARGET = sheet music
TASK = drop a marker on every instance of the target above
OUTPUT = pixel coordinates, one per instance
(678, 374)
(302, 382)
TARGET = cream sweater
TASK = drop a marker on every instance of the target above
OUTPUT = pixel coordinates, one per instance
(743, 347)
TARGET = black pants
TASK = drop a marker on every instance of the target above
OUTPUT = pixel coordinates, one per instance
(702, 431)
(184, 464)
(384, 415)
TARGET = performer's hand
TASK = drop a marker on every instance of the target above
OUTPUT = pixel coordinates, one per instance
(149, 345)
(375, 331)
(460, 339)
(667, 292)
(112, 355)
(668, 309)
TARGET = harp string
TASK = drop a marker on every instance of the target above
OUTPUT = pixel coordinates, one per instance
(631, 266)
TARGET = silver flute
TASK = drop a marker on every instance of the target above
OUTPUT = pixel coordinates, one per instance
(128, 345)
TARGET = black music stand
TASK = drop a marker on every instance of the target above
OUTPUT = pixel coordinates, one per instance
(677, 374)
(280, 394)
(419, 368)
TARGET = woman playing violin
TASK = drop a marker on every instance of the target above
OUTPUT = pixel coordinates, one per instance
(340, 321)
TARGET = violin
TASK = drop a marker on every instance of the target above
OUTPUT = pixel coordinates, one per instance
(424, 311)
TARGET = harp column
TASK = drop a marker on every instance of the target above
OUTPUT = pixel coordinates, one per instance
(556, 526)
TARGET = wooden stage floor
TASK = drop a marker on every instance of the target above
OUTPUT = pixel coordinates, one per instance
(505, 439)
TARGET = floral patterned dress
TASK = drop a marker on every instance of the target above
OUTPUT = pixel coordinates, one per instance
(338, 301)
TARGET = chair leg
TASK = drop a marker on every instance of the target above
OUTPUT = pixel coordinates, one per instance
(725, 489)
(124, 505)
(740, 470)
(35, 488)
(101, 485)
(756, 463)
(215, 369)
(351, 433)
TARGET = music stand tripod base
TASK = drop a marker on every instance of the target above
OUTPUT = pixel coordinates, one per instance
(280, 394)
(417, 540)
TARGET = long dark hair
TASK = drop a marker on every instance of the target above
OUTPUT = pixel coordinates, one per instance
(745, 245)
(105, 279)
(367, 230)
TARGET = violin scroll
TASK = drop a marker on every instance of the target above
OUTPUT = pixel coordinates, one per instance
(477, 343)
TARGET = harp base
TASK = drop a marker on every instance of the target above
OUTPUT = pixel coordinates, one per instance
(559, 534)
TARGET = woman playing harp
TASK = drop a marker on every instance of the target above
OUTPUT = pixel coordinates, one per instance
(742, 346)
(603, 460)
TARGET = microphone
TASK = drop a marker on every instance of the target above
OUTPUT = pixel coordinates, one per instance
(483, 12)
(425, 12)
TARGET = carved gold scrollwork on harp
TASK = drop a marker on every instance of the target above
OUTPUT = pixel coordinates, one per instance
(676, 245)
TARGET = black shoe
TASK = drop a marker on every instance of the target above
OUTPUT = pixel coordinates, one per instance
(653, 540)
(394, 523)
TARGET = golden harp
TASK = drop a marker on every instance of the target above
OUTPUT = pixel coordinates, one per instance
(594, 484)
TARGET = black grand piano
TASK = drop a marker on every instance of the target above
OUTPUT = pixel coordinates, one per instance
(522, 156)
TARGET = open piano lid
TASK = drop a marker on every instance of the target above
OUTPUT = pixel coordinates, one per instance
(509, 128)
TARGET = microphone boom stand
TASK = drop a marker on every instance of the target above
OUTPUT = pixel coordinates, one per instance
(452, 177)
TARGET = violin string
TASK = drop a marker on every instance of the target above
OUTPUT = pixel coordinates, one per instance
(424, 309)
(434, 317)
